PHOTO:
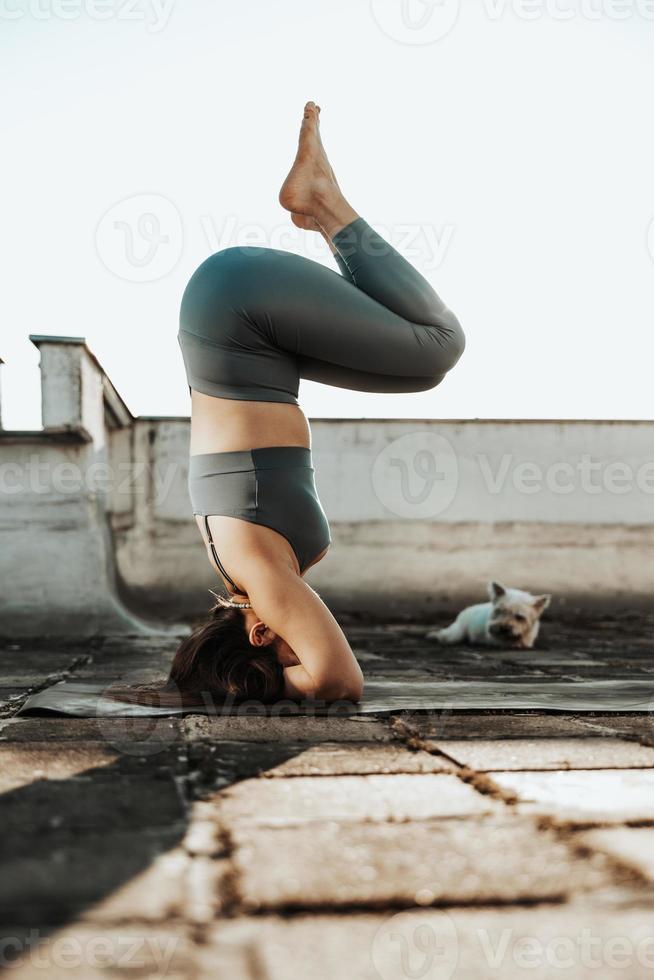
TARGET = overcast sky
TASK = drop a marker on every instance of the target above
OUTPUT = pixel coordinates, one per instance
(507, 148)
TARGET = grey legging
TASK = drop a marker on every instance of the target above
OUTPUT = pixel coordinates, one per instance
(255, 320)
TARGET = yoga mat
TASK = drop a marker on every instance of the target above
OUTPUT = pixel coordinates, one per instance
(621, 696)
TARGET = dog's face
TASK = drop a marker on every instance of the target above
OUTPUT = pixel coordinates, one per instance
(514, 617)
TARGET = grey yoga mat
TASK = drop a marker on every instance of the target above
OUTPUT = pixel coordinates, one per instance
(91, 701)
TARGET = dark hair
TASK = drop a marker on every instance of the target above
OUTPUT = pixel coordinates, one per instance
(216, 661)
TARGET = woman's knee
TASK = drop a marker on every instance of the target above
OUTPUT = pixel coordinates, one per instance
(449, 344)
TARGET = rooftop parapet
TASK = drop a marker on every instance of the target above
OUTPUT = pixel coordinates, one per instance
(76, 393)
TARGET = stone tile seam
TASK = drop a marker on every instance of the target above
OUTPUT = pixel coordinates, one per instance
(618, 867)
(561, 828)
(298, 909)
(480, 782)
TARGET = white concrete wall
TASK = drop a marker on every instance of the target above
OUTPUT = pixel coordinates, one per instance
(422, 513)
(57, 558)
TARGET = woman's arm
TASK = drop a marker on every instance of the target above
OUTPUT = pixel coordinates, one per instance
(328, 670)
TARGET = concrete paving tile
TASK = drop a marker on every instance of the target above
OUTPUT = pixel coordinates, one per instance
(341, 760)
(442, 861)
(640, 728)
(98, 801)
(216, 765)
(632, 845)
(114, 731)
(488, 755)
(28, 666)
(22, 763)
(283, 802)
(156, 894)
(59, 876)
(543, 943)
(490, 725)
(84, 951)
(580, 796)
(291, 728)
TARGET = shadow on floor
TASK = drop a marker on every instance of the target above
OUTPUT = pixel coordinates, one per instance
(69, 843)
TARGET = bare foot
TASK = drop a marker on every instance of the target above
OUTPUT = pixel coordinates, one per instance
(305, 221)
(311, 192)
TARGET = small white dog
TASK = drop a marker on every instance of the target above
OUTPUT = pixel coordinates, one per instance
(511, 618)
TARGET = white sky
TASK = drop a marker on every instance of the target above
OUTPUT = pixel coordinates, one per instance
(516, 154)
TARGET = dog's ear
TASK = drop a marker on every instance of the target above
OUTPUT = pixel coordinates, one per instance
(541, 602)
(496, 591)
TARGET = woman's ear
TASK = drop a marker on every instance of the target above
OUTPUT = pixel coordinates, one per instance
(260, 635)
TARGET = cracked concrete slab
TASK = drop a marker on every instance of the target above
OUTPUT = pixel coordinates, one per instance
(584, 796)
(28, 665)
(290, 728)
(373, 840)
(489, 755)
(639, 728)
(491, 725)
(285, 802)
(337, 760)
(114, 731)
(442, 861)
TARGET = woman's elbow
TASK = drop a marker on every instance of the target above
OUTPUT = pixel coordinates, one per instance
(340, 690)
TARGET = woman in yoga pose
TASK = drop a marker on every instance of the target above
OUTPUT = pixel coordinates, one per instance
(253, 322)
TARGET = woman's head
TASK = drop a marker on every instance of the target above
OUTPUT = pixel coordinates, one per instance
(232, 655)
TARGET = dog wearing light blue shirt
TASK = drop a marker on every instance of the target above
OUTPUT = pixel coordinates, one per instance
(511, 618)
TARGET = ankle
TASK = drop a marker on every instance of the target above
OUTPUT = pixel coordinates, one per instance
(335, 220)
(332, 211)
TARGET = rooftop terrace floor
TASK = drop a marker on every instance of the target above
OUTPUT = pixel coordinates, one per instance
(410, 844)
